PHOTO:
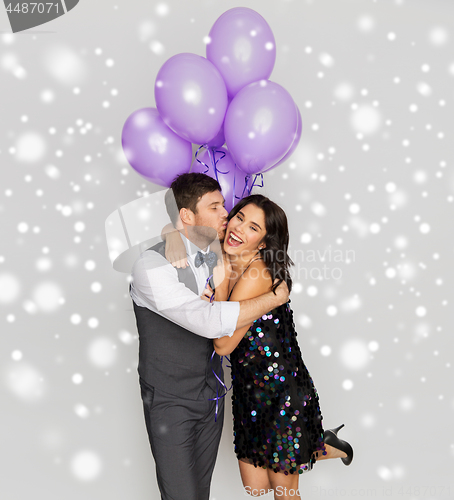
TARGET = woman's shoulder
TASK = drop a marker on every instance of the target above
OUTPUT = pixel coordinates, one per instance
(255, 280)
(257, 266)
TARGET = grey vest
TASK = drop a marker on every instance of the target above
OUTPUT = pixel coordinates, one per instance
(172, 358)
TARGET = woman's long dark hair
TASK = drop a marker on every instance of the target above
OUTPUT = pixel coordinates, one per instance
(276, 239)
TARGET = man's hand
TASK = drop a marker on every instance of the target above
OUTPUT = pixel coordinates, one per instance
(282, 293)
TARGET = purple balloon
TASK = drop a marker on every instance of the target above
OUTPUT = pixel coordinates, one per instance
(260, 126)
(152, 149)
(295, 142)
(242, 47)
(191, 97)
(232, 180)
(217, 141)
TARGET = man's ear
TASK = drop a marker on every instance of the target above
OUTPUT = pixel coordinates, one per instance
(187, 216)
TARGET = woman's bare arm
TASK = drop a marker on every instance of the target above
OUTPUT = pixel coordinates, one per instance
(255, 282)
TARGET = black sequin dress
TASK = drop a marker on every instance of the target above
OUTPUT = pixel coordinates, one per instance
(277, 419)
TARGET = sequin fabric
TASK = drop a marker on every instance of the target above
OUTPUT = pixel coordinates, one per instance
(277, 419)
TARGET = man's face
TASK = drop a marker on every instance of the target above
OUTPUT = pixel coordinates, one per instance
(211, 212)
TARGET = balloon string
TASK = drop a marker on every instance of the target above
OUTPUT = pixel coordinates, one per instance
(234, 190)
(219, 381)
(245, 188)
(200, 161)
(254, 184)
(214, 162)
(223, 156)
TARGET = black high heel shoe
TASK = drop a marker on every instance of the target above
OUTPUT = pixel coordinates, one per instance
(330, 437)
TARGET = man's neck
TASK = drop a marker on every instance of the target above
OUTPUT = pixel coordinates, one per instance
(197, 239)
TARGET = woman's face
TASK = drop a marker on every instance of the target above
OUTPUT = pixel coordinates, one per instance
(245, 231)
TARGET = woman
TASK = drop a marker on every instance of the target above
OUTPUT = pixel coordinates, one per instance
(277, 420)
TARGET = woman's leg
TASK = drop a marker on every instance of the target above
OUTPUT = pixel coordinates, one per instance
(258, 481)
(285, 486)
(331, 453)
(255, 479)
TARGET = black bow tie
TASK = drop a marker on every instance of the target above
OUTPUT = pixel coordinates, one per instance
(209, 258)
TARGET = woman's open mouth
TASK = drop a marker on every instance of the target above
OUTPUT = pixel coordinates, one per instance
(233, 240)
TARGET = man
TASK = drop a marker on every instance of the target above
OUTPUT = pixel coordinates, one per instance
(176, 327)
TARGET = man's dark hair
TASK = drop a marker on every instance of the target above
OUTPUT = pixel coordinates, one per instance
(186, 191)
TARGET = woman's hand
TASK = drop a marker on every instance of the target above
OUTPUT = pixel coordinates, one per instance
(208, 294)
(175, 250)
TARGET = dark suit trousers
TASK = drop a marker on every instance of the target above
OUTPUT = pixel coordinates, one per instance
(184, 440)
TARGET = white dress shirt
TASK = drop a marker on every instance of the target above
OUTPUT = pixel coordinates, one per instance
(155, 285)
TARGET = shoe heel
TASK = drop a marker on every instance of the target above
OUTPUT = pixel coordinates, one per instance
(337, 429)
(331, 439)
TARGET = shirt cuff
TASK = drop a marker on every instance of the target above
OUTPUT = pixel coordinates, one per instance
(229, 317)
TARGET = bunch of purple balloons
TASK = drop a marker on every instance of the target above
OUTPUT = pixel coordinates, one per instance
(225, 98)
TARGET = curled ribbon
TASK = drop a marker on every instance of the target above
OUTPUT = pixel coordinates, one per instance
(219, 381)
(214, 162)
(200, 161)
(246, 188)
(206, 284)
(254, 184)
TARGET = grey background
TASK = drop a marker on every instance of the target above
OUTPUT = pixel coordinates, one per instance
(372, 180)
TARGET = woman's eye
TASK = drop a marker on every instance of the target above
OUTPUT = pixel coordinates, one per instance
(238, 217)
(254, 228)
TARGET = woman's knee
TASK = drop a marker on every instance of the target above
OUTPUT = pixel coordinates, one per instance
(257, 489)
(285, 486)
(255, 479)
